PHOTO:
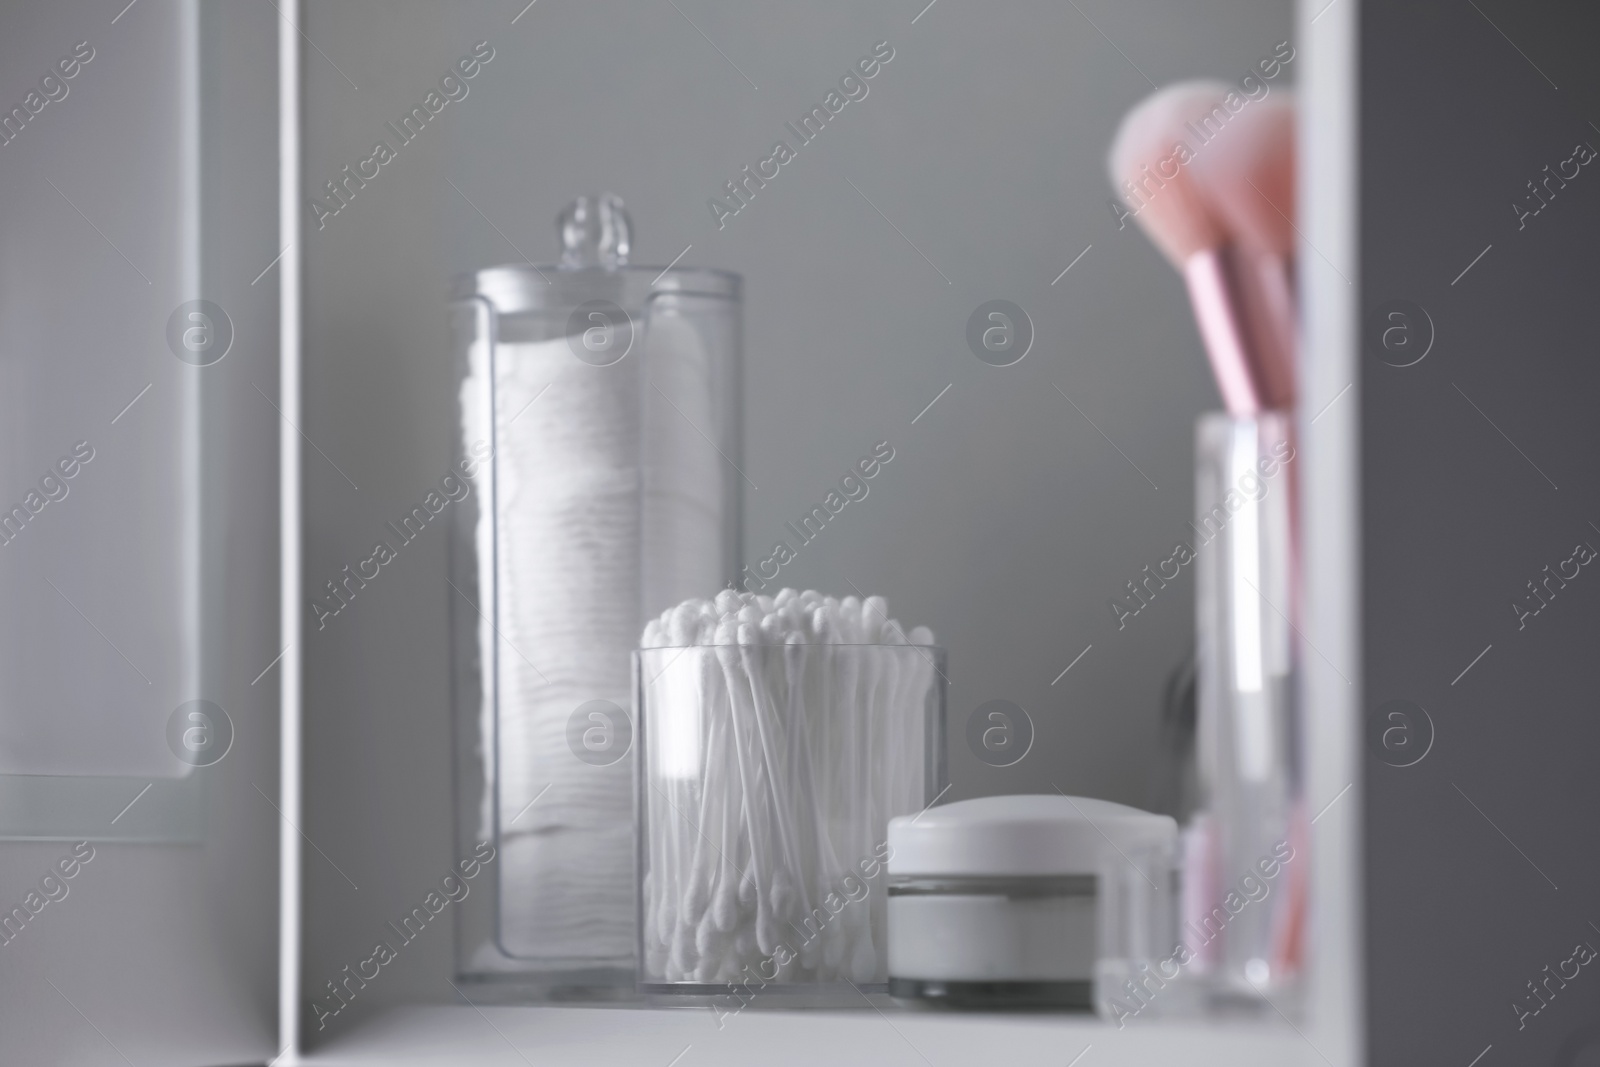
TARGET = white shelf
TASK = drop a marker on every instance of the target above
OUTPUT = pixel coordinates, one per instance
(591, 1037)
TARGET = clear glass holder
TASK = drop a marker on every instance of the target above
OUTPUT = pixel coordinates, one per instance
(767, 775)
(1244, 913)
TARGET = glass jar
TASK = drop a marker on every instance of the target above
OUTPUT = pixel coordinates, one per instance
(1029, 901)
(599, 441)
(1245, 896)
(768, 775)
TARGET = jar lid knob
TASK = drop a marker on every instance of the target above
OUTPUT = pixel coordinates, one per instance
(595, 232)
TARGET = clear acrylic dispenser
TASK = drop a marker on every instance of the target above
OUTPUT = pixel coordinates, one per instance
(599, 442)
(768, 776)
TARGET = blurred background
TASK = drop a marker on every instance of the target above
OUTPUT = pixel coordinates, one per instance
(140, 411)
(973, 170)
(1020, 501)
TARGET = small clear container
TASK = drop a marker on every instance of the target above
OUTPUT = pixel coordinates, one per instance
(1246, 873)
(1031, 901)
(767, 776)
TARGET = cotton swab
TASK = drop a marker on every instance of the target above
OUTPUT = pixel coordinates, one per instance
(804, 754)
(751, 786)
(783, 888)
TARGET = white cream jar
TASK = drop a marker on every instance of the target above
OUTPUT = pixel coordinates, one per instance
(1020, 901)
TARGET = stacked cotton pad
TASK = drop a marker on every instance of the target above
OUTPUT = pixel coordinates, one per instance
(608, 496)
(781, 735)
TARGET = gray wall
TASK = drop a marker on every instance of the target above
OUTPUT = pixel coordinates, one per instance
(1480, 470)
(1006, 520)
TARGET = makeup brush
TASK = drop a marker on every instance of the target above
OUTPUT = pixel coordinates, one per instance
(1249, 181)
(1220, 205)
(1152, 164)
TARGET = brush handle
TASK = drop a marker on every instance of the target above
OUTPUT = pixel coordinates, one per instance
(1243, 304)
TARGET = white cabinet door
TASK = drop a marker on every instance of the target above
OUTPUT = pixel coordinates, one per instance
(138, 746)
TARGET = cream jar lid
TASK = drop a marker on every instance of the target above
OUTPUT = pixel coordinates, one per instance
(1025, 835)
